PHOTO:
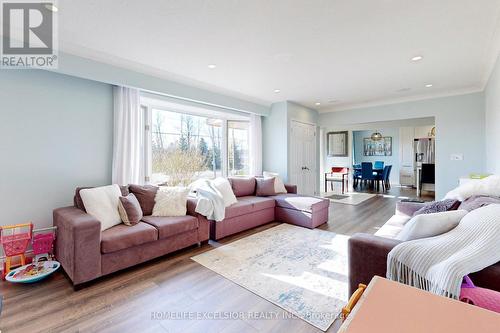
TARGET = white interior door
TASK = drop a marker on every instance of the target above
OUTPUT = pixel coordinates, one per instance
(303, 170)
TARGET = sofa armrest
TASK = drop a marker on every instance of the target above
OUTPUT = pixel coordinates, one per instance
(367, 257)
(203, 224)
(78, 244)
(407, 208)
(191, 206)
(291, 188)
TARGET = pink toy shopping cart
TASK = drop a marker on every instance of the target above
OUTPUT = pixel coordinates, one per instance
(43, 244)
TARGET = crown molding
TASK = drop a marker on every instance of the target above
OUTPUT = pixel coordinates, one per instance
(414, 98)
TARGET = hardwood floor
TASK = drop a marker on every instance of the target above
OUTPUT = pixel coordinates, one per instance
(135, 299)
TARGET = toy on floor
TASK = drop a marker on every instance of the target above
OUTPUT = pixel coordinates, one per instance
(33, 272)
(15, 239)
(482, 297)
(18, 237)
(43, 243)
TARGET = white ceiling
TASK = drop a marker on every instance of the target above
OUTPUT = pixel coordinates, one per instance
(355, 52)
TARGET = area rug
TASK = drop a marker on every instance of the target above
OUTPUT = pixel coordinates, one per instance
(349, 198)
(301, 270)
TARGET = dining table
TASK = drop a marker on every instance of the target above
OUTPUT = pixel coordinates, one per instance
(377, 170)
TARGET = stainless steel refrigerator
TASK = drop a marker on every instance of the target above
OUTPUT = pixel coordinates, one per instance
(424, 150)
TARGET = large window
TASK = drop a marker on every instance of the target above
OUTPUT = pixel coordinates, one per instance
(237, 148)
(186, 147)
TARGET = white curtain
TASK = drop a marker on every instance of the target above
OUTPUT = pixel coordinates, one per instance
(255, 145)
(128, 137)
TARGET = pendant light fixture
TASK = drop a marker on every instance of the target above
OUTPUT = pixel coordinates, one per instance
(376, 136)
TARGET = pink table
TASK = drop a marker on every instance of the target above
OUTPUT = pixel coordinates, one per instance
(388, 306)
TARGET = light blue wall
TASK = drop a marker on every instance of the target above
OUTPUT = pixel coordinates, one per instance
(55, 135)
(276, 136)
(275, 140)
(460, 124)
(358, 137)
(492, 101)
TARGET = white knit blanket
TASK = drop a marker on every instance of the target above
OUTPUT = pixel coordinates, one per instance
(438, 264)
(209, 200)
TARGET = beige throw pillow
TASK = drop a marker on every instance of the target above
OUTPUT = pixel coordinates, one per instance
(171, 201)
(102, 203)
(279, 186)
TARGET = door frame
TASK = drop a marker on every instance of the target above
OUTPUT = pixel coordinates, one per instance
(316, 144)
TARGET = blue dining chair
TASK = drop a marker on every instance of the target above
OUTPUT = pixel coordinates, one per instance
(384, 177)
(378, 165)
(367, 173)
(356, 174)
(387, 181)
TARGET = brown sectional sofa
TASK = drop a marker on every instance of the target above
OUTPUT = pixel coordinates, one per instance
(251, 211)
(368, 253)
(86, 253)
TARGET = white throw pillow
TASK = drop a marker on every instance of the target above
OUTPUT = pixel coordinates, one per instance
(224, 187)
(279, 186)
(102, 203)
(171, 201)
(430, 225)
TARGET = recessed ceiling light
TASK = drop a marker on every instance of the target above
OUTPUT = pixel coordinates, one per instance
(417, 58)
(317, 103)
(51, 7)
(428, 85)
(277, 90)
(212, 66)
(333, 101)
(403, 90)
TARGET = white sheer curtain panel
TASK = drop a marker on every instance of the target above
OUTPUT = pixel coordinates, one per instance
(128, 137)
(255, 145)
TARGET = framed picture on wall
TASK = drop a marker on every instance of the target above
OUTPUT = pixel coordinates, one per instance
(382, 147)
(336, 144)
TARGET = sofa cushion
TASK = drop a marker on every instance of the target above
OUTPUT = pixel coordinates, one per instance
(393, 226)
(242, 186)
(249, 204)
(78, 202)
(122, 236)
(301, 202)
(171, 225)
(145, 194)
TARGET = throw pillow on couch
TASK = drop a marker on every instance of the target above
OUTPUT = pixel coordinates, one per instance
(265, 187)
(430, 225)
(170, 201)
(130, 209)
(279, 186)
(102, 203)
